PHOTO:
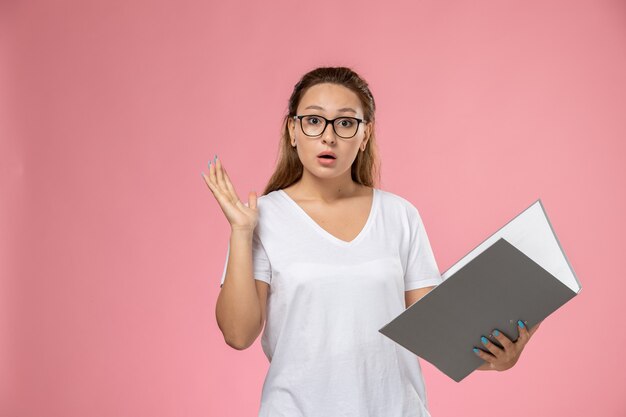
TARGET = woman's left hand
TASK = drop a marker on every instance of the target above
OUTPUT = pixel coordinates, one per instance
(503, 359)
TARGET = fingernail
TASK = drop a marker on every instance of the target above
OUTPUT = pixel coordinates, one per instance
(496, 333)
(202, 174)
(215, 159)
(484, 340)
(475, 350)
(521, 324)
(209, 164)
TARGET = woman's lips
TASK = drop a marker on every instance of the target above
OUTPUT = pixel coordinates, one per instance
(326, 161)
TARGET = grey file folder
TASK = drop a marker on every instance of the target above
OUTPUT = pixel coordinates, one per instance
(520, 272)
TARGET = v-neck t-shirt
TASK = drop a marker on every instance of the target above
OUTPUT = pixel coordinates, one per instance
(328, 298)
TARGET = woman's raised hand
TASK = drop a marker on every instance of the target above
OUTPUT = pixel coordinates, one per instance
(240, 216)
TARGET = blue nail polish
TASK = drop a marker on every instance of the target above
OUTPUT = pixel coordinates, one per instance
(215, 159)
(209, 164)
(521, 324)
(475, 350)
(484, 340)
(496, 333)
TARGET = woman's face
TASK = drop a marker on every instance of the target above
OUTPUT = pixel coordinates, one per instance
(330, 101)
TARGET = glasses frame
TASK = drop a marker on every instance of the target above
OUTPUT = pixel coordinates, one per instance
(332, 123)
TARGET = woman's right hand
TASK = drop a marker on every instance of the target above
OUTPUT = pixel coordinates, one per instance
(240, 216)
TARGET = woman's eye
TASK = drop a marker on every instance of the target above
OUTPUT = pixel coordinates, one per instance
(313, 120)
(345, 123)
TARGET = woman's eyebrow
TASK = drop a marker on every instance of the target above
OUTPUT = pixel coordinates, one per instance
(343, 109)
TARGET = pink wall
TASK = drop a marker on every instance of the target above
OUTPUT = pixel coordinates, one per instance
(112, 246)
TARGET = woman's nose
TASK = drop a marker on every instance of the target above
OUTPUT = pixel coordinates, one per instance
(328, 135)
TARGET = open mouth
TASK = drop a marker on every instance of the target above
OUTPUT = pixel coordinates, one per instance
(326, 160)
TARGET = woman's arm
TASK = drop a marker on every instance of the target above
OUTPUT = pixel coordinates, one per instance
(411, 296)
(240, 308)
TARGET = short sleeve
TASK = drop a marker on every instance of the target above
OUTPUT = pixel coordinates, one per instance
(421, 267)
(261, 268)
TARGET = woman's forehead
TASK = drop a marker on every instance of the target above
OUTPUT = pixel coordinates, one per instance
(330, 97)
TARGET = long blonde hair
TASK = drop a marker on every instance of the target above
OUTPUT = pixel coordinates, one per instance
(365, 167)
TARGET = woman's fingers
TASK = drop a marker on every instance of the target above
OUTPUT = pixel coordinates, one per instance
(212, 175)
(502, 339)
(227, 186)
(216, 176)
(207, 180)
(504, 358)
(230, 187)
(523, 334)
(219, 174)
(219, 194)
(487, 357)
(225, 194)
(252, 200)
(495, 350)
(219, 189)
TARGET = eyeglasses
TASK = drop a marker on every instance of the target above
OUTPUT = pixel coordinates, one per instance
(344, 127)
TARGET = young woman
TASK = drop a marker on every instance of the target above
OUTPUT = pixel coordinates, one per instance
(323, 259)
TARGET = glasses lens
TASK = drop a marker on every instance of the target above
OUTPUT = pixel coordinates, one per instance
(346, 127)
(312, 125)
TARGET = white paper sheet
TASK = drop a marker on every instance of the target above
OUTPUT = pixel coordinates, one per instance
(531, 233)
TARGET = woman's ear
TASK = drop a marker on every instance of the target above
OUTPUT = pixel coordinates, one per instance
(290, 126)
(292, 134)
(366, 136)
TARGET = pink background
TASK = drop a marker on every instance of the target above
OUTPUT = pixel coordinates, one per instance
(112, 245)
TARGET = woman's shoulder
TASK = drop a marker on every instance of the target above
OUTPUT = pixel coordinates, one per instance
(263, 199)
(272, 202)
(392, 199)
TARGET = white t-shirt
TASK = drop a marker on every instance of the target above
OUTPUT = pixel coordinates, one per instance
(328, 298)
